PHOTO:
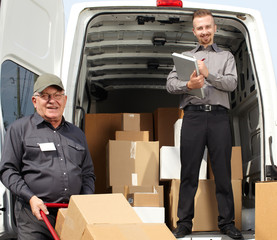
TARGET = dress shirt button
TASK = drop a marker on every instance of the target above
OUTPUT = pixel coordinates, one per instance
(65, 189)
(61, 159)
(58, 145)
(64, 173)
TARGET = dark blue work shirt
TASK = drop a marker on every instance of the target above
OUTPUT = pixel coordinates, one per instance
(52, 164)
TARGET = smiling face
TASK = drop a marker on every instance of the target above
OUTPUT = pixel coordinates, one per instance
(50, 109)
(204, 29)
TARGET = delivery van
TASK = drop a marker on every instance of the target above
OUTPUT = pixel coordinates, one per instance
(115, 56)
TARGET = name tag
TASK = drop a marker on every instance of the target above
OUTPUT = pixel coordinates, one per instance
(47, 146)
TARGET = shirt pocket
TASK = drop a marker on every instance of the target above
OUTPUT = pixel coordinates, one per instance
(76, 152)
(34, 152)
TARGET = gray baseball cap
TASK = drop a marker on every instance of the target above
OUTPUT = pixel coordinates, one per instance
(45, 80)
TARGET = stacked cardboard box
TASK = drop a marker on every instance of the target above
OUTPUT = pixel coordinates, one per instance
(133, 161)
(265, 210)
(206, 211)
(104, 217)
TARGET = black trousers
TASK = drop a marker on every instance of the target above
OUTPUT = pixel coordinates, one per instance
(29, 228)
(211, 129)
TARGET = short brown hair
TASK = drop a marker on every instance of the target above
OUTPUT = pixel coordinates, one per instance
(201, 13)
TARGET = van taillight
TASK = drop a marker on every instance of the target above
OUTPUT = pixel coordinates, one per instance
(169, 3)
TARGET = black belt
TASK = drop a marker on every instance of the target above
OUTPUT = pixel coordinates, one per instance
(205, 108)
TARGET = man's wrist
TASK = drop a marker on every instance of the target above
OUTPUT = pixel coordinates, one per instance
(188, 86)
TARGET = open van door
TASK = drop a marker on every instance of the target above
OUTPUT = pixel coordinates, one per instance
(31, 42)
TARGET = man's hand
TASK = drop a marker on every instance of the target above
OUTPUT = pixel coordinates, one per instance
(195, 81)
(37, 205)
(202, 68)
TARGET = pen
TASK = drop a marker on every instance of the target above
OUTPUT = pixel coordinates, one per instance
(203, 59)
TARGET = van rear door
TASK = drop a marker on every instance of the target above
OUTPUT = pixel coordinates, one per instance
(31, 38)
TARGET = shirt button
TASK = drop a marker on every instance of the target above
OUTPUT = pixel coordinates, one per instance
(64, 173)
(65, 189)
(61, 159)
(58, 145)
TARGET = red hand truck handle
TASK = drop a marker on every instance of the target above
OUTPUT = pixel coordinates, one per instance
(45, 219)
(48, 224)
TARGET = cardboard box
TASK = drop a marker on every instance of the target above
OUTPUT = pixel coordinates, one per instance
(170, 164)
(60, 220)
(149, 231)
(143, 199)
(151, 214)
(99, 208)
(236, 165)
(99, 129)
(125, 190)
(131, 122)
(132, 135)
(265, 210)
(164, 119)
(206, 211)
(133, 163)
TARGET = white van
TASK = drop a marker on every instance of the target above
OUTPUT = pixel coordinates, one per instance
(115, 57)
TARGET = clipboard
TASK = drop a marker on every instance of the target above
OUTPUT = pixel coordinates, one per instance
(185, 65)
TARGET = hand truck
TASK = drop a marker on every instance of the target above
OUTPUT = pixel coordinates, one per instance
(45, 219)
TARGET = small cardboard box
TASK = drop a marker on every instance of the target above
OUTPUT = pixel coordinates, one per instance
(60, 220)
(205, 206)
(265, 210)
(236, 165)
(98, 208)
(133, 163)
(131, 122)
(132, 135)
(143, 199)
(135, 189)
(142, 231)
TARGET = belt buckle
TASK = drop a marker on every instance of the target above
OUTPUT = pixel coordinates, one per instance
(207, 108)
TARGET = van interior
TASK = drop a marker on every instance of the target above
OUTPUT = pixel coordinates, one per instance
(126, 59)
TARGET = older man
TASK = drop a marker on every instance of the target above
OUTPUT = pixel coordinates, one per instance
(45, 159)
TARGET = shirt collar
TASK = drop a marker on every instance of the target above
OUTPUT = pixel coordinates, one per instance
(39, 120)
(212, 47)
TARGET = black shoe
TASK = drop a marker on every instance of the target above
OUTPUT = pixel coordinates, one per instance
(181, 231)
(231, 231)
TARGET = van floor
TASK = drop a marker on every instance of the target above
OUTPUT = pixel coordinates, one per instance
(248, 235)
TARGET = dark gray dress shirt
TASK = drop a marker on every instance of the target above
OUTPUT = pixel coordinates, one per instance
(52, 164)
(221, 80)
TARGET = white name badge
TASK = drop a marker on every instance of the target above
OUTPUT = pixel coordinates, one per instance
(47, 146)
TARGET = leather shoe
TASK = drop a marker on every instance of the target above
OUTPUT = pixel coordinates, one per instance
(231, 231)
(181, 231)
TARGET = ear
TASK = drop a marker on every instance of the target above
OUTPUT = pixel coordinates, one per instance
(34, 101)
(193, 31)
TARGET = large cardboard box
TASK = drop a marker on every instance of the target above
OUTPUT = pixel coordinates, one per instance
(99, 208)
(164, 119)
(125, 190)
(140, 199)
(133, 163)
(236, 165)
(132, 135)
(206, 211)
(60, 220)
(99, 129)
(143, 231)
(131, 122)
(265, 210)
(170, 164)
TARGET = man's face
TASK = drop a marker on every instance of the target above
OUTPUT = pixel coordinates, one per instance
(50, 107)
(204, 29)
